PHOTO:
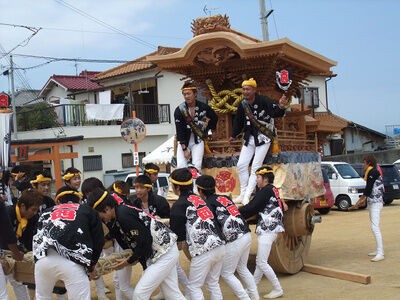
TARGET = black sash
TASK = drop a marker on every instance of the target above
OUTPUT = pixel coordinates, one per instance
(188, 118)
(270, 134)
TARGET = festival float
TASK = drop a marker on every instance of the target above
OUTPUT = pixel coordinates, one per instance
(218, 58)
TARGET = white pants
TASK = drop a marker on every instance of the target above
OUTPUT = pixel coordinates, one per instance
(54, 267)
(236, 256)
(206, 269)
(3, 285)
(265, 241)
(248, 183)
(20, 289)
(99, 283)
(374, 217)
(196, 151)
(122, 279)
(162, 273)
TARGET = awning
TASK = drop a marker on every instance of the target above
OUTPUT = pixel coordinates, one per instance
(162, 154)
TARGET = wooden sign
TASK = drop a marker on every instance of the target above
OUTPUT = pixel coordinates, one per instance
(23, 153)
(133, 131)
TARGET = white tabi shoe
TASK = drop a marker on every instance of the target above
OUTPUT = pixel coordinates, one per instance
(274, 294)
(378, 257)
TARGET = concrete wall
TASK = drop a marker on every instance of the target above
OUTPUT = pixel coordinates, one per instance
(383, 157)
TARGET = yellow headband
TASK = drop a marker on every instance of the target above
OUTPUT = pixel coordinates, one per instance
(68, 176)
(250, 82)
(101, 199)
(40, 178)
(151, 171)
(15, 174)
(117, 189)
(190, 181)
(143, 184)
(264, 171)
(203, 188)
(75, 193)
(189, 88)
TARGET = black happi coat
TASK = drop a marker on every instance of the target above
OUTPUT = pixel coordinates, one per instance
(202, 111)
(148, 238)
(193, 222)
(232, 223)
(266, 204)
(73, 230)
(7, 232)
(264, 110)
(158, 205)
(24, 242)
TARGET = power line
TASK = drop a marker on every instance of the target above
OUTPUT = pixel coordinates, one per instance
(82, 13)
(95, 31)
(75, 59)
(24, 42)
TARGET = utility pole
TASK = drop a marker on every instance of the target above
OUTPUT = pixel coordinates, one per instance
(264, 14)
(13, 99)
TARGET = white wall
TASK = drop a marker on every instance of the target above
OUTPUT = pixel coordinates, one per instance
(317, 82)
(357, 140)
(56, 93)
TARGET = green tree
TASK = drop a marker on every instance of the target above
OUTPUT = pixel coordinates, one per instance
(38, 116)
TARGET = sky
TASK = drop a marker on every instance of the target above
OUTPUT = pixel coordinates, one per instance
(362, 36)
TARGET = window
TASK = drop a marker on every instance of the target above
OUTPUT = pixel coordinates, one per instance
(310, 96)
(92, 163)
(127, 159)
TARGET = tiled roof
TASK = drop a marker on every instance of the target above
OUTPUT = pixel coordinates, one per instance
(138, 64)
(330, 122)
(23, 97)
(77, 83)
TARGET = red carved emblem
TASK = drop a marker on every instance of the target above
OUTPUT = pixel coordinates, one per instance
(225, 182)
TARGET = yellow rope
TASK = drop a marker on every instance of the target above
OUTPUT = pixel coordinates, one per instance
(220, 101)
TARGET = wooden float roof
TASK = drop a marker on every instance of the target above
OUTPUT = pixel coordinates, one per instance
(247, 48)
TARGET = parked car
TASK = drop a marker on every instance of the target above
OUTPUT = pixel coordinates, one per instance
(324, 202)
(397, 164)
(359, 169)
(391, 181)
(346, 184)
(162, 183)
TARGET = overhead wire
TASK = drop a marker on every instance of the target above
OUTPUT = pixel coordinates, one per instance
(273, 17)
(104, 24)
(93, 31)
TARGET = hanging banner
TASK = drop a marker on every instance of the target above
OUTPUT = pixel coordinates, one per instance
(5, 137)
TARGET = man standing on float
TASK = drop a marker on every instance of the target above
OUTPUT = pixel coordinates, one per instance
(255, 118)
(193, 119)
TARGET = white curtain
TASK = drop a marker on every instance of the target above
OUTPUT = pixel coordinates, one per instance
(5, 137)
(106, 112)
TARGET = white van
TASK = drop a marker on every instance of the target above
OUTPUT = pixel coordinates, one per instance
(162, 183)
(346, 184)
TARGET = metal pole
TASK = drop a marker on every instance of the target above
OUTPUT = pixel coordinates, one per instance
(264, 24)
(13, 99)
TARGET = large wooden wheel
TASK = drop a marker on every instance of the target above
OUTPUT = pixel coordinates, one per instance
(291, 247)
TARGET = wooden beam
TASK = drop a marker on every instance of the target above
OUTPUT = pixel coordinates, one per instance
(344, 275)
(57, 167)
(49, 156)
(44, 145)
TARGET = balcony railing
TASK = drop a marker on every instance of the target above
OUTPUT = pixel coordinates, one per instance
(75, 115)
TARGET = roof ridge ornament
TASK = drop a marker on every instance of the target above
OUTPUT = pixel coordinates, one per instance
(210, 24)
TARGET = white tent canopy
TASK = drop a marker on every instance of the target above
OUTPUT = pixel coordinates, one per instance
(162, 154)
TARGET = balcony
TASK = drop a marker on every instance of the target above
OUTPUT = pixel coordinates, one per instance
(65, 115)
